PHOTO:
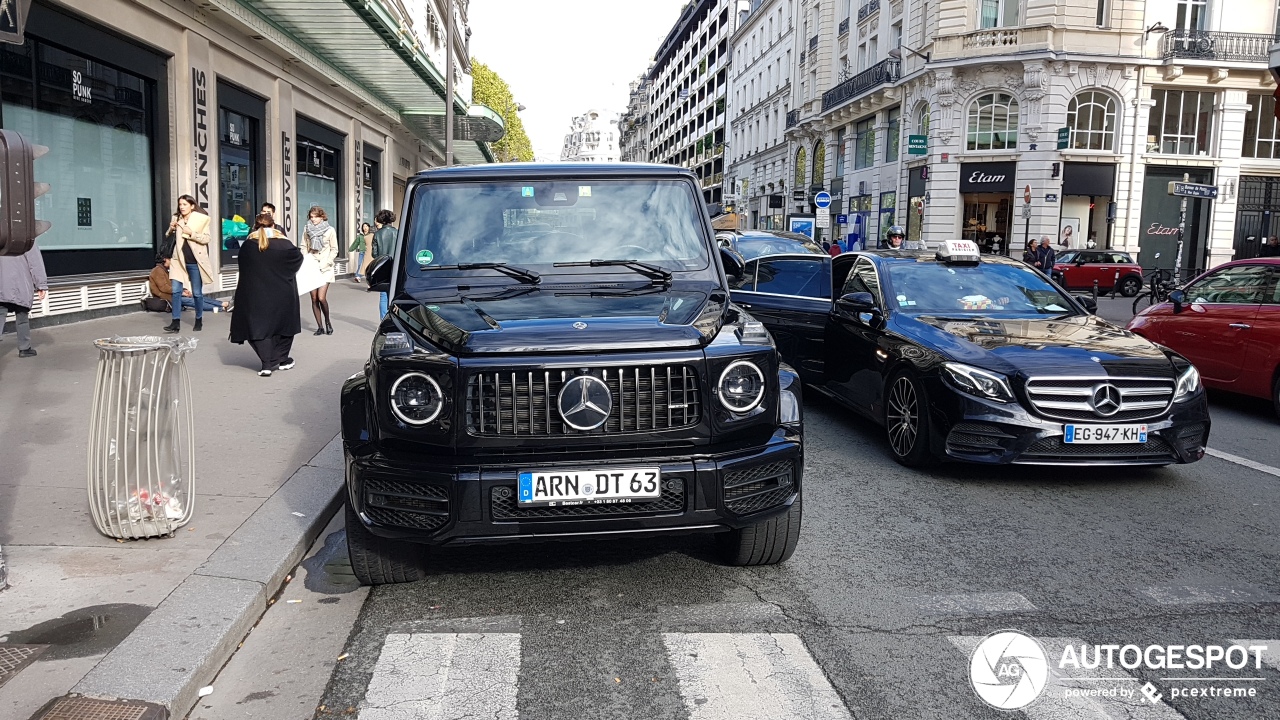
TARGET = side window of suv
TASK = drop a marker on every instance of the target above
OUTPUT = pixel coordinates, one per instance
(1239, 284)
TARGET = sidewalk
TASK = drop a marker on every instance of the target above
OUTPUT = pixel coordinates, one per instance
(80, 593)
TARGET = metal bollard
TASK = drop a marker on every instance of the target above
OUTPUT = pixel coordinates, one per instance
(141, 465)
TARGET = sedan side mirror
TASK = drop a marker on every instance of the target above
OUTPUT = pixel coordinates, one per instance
(1089, 303)
(1177, 297)
(858, 302)
(379, 274)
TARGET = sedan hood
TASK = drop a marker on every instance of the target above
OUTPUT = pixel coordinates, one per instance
(1077, 345)
(565, 319)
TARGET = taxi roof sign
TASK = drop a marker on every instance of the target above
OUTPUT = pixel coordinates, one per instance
(959, 252)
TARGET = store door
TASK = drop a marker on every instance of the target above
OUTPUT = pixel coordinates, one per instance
(1257, 214)
(987, 193)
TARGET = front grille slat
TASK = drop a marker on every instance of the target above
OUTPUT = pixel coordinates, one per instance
(1070, 399)
(524, 403)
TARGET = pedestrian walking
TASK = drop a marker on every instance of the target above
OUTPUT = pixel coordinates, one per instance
(268, 314)
(322, 249)
(189, 266)
(1029, 253)
(1045, 256)
(384, 243)
(362, 240)
(23, 280)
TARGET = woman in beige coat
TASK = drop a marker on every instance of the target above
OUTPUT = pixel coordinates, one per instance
(321, 247)
(189, 265)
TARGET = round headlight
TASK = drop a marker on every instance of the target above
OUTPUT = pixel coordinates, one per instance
(416, 398)
(741, 386)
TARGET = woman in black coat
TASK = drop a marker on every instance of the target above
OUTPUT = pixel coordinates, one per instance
(267, 309)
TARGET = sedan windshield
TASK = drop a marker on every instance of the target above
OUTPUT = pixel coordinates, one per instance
(538, 225)
(986, 290)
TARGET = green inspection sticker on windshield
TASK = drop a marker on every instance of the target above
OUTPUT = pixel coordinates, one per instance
(425, 257)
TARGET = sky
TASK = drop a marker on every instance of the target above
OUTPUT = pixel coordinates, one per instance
(564, 57)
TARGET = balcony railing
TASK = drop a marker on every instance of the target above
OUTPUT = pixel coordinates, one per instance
(868, 9)
(802, 58)
(844, 27)
(813, 43)
(994, 38)
(1231, 47)
(793, 118)
(882, 73)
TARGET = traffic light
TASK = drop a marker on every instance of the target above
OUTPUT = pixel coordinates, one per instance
(18, 192)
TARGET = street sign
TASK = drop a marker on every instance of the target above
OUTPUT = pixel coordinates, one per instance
(822, 200)
(917, 144)
(823, 220)
(1064, 138)
(1051, 198)
(1026, 211)
(1193, 190)
(842, 219)
(1026, 195)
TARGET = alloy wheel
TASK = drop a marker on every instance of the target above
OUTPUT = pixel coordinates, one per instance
(903, 417)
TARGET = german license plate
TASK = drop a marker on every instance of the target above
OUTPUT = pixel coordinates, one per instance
(603, 486)
(1104, 434)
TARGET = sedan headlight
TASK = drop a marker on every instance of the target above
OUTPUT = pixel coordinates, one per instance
(980, 383)
(741, 386)
(1188, 384)
(416, 398)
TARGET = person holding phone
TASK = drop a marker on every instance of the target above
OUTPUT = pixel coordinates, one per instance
(189, 265)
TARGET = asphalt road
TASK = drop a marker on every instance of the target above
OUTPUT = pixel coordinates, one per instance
(898, 575)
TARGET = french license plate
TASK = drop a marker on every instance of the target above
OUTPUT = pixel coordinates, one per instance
(1104, 434)
(602, 486)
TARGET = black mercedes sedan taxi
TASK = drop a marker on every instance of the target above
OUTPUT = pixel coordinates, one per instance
(975, 358)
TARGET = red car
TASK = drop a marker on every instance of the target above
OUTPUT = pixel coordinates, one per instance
(1079, 268)
(1227, 323)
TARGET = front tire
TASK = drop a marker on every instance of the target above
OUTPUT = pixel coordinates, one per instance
(1130, 286)
(1141, 303)
(379, 561)
(767, 543)
(906, 421)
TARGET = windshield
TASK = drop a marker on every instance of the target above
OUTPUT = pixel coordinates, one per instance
(986, 290)
(539, 224)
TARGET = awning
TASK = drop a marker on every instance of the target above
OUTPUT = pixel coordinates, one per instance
(360, 46)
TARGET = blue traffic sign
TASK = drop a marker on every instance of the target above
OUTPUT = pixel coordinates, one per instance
(822, 199)
(842, 219)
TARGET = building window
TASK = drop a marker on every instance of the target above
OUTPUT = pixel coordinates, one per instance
(1181, 122)
(993, 122)
(1261, 133)
(841, 146)
(865, 148)
(1191, 14)
(819, 162)
(800, 169)
(1091, 115)
(922, 120)
(997, 13)
(892, 135)
(1101, 20)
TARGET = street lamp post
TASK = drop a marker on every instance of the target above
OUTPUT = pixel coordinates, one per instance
(448, 83)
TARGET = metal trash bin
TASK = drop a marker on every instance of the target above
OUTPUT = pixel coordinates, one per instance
(141, 449)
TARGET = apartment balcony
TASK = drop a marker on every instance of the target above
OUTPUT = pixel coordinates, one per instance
(793, 118)
(882, 73)
(813, 43)
(844, 28)
(869, 8)
(1218, 46)
(997, 41)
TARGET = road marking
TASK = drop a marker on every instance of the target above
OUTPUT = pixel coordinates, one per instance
(444, 675)
(1061, 698)
(974, 603)
(1270, 656)
(751, 676)
(1243, 461)
(1205, 594)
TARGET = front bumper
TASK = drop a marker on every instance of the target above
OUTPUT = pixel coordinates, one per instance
(454, 500)
(972, 430)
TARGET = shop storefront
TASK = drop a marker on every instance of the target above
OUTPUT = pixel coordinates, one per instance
(986, 190)
(1087, 190)
(319, 171)
(241, 119)
(915, 203)
(95, 108)
(860, 229)
(1158, 230)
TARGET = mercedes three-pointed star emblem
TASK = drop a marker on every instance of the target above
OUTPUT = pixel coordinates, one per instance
(585, 402)
(1105, 400)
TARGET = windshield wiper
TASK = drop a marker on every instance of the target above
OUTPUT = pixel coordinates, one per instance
(515, 271)
(653, 272)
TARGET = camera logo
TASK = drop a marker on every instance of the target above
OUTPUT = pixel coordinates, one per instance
(1008, 670)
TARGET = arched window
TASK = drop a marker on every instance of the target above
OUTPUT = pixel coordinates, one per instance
(922, 119)
(819, 162)
(800, 168)
(1091, 115)
(993, 122)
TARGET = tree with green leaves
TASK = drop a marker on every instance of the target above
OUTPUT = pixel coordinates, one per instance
(492, 91)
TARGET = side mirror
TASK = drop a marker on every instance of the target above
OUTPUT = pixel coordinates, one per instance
(734, 265)
(1177, 297)
(379, 274)
(1089, 303)
(858, 302)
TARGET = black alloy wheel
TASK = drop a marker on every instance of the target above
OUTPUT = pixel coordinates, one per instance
(1130, 286)
(906, 422)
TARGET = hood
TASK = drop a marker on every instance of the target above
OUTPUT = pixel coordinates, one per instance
(1076, 345)
(528, 319)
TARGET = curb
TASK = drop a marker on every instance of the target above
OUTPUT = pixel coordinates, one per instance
(180, 647)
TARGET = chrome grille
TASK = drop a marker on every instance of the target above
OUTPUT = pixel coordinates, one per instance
(523, 403)
(1070, 398)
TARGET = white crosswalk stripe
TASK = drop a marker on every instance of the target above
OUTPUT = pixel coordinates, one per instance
(1206, 594)
(751, 676)
(1065, 695)
(974, 603)
(435, 676)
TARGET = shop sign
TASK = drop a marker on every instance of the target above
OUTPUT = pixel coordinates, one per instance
(987, 177)
(917, 144)
(842, 219)
(84, 212)
(360, 175)
(287, 219)
(200, 95)
(1064, 138)
(79, 90)
(13, 20)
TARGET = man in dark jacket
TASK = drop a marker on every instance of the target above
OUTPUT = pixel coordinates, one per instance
(23, 280)
(1271, 248)
(1045, 256)
(384, 243)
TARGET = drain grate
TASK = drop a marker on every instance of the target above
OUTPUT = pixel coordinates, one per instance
(79, 708)
(15, 657)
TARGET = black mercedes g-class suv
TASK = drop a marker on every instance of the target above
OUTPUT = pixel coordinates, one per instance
(561, 360)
